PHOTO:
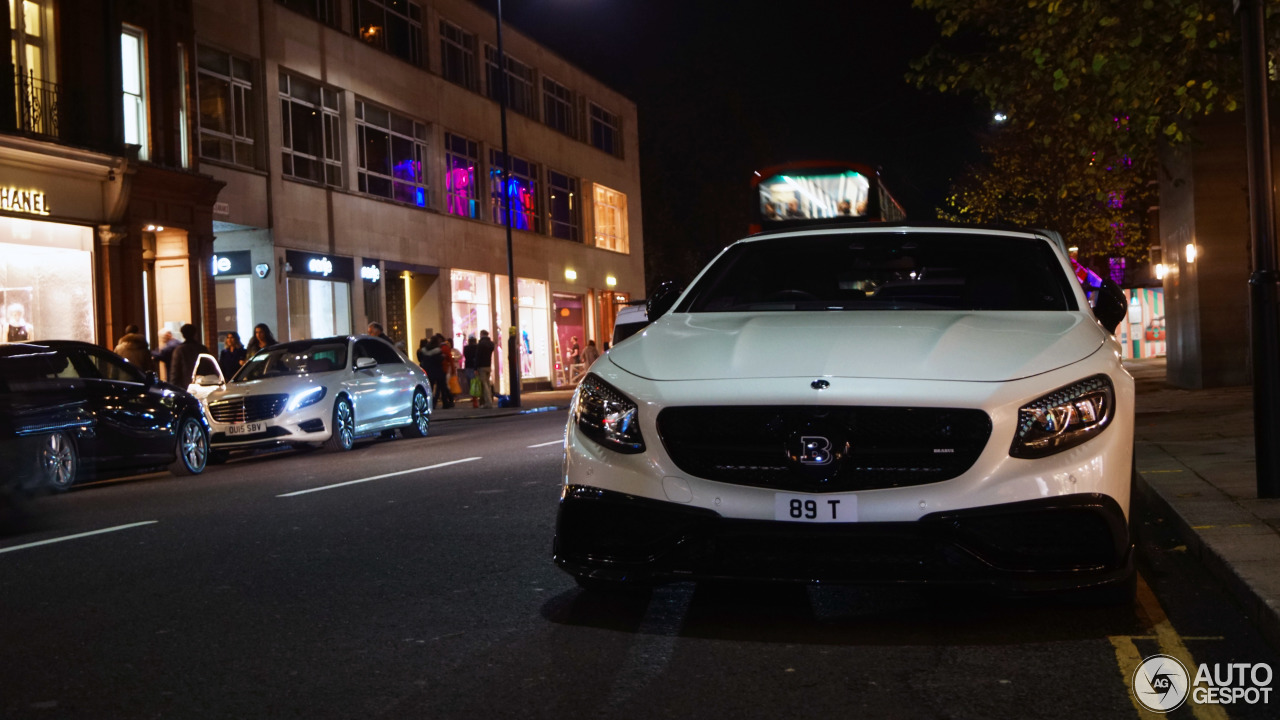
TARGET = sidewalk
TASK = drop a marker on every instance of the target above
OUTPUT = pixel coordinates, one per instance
(530, 402)
(1195, 458)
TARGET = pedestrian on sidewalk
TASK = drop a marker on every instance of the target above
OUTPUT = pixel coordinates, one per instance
(262, 339)
(484, 367)
(469, 368)
(133, 347)
(183, 363)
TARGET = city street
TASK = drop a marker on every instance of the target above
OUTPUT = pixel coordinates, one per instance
(413, 579)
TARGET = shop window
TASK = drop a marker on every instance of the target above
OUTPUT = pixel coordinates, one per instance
(611, 220)
(535, 323)
(563, 215)
(392, 152)
(522, 192)
(461, 158)
(472, 311)
(227, 107)
(391, 25)
(458, 55)
(520, 83)
(557, 107)
(312, 129)
(133, 55)
(318, 308)
(605, 131)
(326, 11)
(46, 281)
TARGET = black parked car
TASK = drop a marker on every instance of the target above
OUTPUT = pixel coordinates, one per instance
(71, 410)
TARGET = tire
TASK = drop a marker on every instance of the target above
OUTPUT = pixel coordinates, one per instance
(192, 448)
(344, 427)
(421, 416)
(59, 462)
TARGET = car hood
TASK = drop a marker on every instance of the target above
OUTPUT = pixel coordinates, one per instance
(285, 384)
(933, 345)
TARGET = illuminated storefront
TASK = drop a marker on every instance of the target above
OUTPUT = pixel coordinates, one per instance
(319, 294)
(46, 281)
(233, 291)
(472, 309)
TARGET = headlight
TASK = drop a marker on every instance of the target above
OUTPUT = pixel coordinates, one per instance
(607, 416)
(1064, 418)
(310, 396)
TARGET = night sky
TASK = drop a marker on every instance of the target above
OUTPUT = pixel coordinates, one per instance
(724, 89)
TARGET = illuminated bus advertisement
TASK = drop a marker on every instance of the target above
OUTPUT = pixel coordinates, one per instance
(822, 191)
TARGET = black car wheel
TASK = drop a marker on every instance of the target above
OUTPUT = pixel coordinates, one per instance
(421, 416)
(192, 448)
(59, 462)
(344, 426)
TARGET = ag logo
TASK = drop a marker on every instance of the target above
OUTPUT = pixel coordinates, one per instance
(1161, 683)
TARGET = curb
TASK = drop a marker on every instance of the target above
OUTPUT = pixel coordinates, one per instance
(1215, 529)
(512, 412)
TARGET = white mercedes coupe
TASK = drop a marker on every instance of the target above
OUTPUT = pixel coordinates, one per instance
(324, 390)
(861, 404)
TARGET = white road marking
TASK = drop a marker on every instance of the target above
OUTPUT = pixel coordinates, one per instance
(379, 477)
(553, 442)
(78, 535)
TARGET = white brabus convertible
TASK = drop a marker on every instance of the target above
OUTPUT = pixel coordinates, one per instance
(888, 403)
(324, 390)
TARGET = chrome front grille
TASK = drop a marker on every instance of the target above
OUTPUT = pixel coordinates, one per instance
(886, 446)
(248, 409)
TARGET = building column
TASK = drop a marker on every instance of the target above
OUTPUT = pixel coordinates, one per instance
(112, 308)
(204, 303)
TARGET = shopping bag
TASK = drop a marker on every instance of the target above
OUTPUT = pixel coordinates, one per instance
(476, 390)
(454, 386)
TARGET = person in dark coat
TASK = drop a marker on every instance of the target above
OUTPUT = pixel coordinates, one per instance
(431, 358)
(262, 339)
(484, 366)
(183, 364)
(233, 354)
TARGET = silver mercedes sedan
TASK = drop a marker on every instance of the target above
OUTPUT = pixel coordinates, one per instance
(324, 390)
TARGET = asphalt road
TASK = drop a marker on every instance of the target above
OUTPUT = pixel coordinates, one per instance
(412, 579)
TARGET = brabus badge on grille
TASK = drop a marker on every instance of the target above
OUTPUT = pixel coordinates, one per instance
(820, 384)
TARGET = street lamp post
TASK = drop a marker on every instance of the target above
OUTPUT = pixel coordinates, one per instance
(513, 344)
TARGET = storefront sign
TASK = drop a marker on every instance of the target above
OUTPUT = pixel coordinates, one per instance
(23, 201)
(231, 263)
(370, 273)
(327, 267)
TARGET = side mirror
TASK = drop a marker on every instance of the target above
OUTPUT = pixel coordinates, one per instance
(207, 380)
(662, 300)
(364, 363)
(1110, 305)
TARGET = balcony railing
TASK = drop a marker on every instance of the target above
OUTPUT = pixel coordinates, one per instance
(37, 105)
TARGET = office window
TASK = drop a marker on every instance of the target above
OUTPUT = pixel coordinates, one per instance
(133, 55)
(457, 55)
(520, 95)
(461, 158)
(184, 90)
(391, 155)
(391, 25)
(522, 192)
(227, 107)
(312, 130)
(34, 58)
(605, 133)
(563, 201)
(326, 11)
(557, 107)
(611, 220)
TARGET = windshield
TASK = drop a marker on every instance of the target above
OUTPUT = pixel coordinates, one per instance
(297, 358)
(885, 271)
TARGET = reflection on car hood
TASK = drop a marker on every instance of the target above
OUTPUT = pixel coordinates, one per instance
(285, 384)
(933, 345)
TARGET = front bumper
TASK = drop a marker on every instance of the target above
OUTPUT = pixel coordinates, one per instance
(1049, 544)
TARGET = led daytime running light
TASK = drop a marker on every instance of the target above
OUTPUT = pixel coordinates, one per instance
(607, 416)
(310, 396)
(1064, 418)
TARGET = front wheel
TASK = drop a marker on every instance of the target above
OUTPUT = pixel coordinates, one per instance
(192, 448)
(59, 462)
(344, 427)
(421, 415)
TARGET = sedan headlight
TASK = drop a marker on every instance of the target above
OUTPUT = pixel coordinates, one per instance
(607, 416)
(1064, 418)
(310, 396)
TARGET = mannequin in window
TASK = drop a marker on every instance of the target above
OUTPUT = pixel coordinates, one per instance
(16, 327)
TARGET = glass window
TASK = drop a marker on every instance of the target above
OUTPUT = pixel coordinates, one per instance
(522, 192)
(461, 157)
(471, 310)
(379, 350)
(227, 107)
(111, 367)
(557, 107)
(34, 55)
(563, 216)
(605, 133)
(611, 220)
(312, 130)
(535, 323)
(295, 358)
(133, 55)
(46, 281)
(457, 55)
(391, 25)
(318, 308)
(392, 152)
(326, 11)
(520, 87)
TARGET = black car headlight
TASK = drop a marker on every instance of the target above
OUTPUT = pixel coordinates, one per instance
(607, 416)
(1064, 418)
(310, 396)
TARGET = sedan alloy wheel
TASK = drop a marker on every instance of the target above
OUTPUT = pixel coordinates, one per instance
(58, 461)
(344, 426)
(193, 448)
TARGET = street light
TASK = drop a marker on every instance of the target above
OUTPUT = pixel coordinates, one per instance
(513, 353)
